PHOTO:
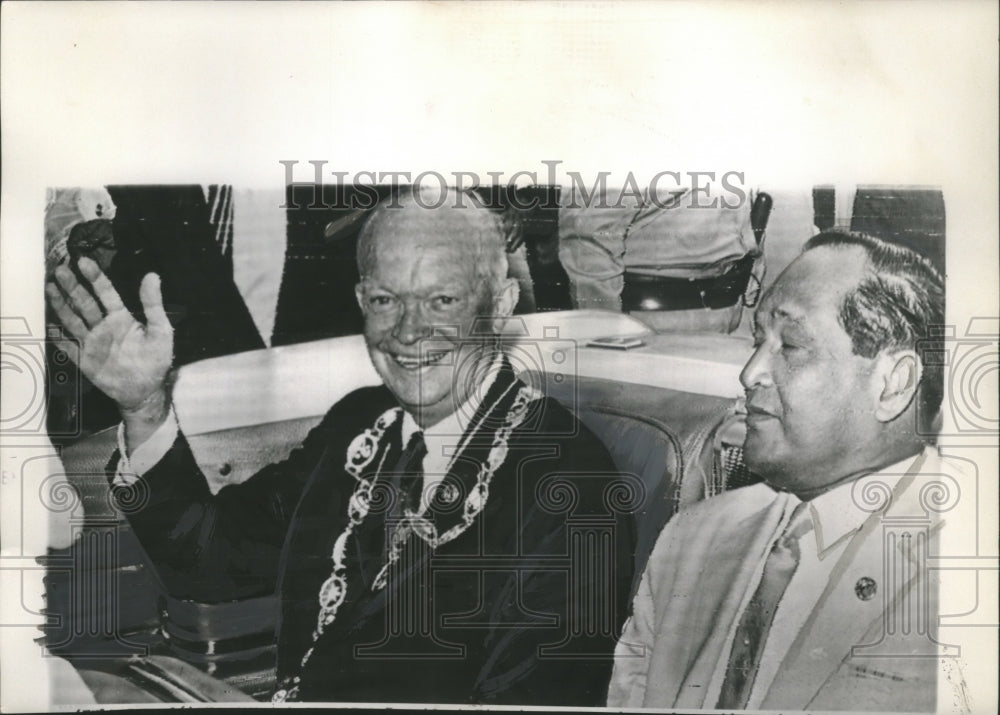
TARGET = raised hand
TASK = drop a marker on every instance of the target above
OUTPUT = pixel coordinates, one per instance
(125, 359)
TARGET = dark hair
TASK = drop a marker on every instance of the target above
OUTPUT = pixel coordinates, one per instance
(898, 304)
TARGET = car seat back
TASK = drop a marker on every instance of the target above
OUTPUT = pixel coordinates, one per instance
(677, 443)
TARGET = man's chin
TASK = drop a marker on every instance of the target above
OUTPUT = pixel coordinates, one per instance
(761, 461)
(412, 396)
(424, 395)
(754, 450)
(434, 390)
(778, 474)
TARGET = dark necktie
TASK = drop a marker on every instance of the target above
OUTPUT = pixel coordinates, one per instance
(411, 472)
(751, 633)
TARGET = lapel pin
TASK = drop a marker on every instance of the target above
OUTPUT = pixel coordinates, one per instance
(865, 588)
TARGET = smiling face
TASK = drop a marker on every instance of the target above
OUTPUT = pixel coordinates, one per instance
(810, 400)
(421, 295)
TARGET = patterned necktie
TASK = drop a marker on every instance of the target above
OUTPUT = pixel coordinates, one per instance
(751, 634)
(411, 472)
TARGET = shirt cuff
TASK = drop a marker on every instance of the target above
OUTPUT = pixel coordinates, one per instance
(147, 454)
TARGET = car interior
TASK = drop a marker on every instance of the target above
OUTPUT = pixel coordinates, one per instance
(665, 404)
(680, 448)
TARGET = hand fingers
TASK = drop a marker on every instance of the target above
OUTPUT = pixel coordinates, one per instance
(85, 305)
(152, 304)
(70, 320)
(103, 289)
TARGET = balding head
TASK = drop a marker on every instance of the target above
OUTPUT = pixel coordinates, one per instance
(422, 215)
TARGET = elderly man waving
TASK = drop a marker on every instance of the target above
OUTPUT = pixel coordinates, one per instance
(411, 544)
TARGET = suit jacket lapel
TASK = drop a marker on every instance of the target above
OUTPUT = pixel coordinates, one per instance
(841, 618)
(715, 600)
(839, 621)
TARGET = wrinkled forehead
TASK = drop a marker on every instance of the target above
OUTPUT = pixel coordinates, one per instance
(813, 287)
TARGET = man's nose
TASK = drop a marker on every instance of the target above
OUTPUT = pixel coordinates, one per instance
(411, 325)
(757, 371)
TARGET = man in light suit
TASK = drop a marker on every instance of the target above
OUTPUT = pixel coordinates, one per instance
(810, 590)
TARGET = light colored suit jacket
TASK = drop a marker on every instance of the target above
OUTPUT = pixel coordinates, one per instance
(851, 653)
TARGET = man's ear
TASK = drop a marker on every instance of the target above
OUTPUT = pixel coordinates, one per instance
(898, 373)
(359, 293)
(504, 302)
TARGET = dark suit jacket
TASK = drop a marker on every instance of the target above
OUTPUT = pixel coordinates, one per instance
(521, 607)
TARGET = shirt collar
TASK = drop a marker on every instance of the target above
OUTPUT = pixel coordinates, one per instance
(837, 513)
(452, 428)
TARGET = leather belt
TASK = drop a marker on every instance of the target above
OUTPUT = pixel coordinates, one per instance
(644, 291)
